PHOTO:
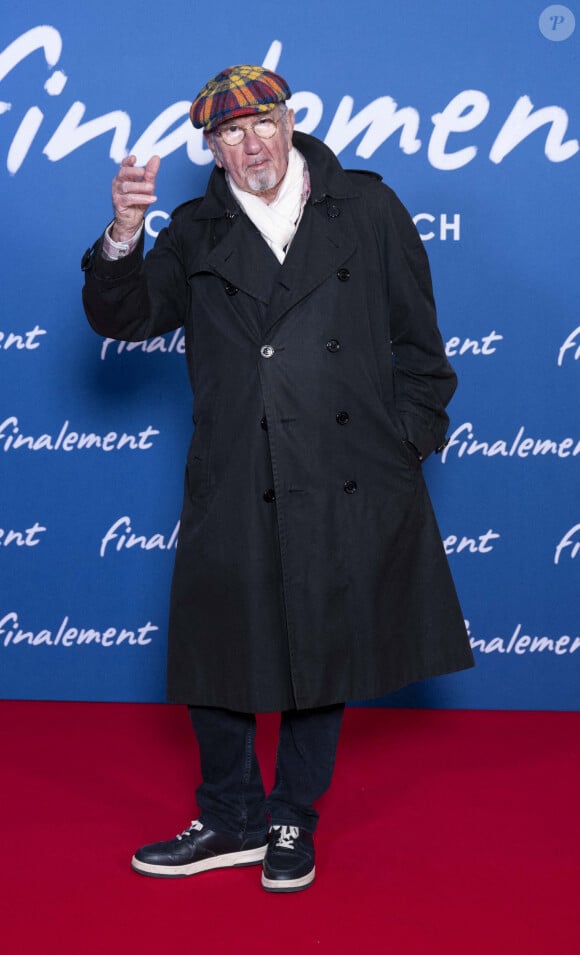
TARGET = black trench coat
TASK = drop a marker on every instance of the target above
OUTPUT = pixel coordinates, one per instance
(310, 569)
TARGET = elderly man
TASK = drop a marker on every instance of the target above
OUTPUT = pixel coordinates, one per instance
(309, 569)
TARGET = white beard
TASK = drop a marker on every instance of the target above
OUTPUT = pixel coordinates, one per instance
(262, 180)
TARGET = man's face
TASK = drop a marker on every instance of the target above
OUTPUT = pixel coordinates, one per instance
(256, 165)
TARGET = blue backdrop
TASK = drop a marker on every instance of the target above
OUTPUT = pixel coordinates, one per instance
(470, 112)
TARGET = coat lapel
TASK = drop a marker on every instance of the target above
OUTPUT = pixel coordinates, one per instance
(243, 259)
(321, 245)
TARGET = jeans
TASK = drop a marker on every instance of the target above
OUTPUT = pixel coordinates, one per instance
(232, 797)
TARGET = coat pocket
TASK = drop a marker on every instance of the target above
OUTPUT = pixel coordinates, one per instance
(197, 480)
(198, 471)
(407, 451)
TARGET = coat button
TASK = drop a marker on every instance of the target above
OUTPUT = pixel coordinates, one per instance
(266, 351)
(264, 424)
(231, 289)
(342, 417)
(269, 496)
(333, 345)
(350, 487)
(343, 275)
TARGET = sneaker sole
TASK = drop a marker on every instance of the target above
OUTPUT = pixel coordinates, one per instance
(288, 885)
(230, 860)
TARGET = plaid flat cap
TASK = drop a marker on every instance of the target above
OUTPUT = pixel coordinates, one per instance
(237, 91)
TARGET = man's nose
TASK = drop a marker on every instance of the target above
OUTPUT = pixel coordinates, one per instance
(252, 143)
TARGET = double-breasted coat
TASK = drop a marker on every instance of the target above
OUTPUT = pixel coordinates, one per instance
(309, 569)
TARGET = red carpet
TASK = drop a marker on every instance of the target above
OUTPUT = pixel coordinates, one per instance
(444, 832)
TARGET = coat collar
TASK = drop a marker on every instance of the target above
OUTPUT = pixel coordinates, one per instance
(327, 177)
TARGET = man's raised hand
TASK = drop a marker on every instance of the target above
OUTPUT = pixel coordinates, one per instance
(133, 192)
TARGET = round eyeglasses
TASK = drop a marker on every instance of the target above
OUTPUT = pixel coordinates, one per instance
(264, 128)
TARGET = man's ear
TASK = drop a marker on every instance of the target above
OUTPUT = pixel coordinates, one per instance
(212, 148)
(290, 120)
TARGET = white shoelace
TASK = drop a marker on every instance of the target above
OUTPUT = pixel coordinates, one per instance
(194, 824)
(286, 836)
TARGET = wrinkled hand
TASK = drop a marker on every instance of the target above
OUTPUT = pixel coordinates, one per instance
(133, 193)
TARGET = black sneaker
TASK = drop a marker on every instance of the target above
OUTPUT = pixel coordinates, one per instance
(198, 849)
(289, 860)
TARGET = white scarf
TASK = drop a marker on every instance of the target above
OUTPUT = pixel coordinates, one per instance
(277, 223)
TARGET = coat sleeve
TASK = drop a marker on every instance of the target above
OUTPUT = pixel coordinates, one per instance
(135, 298)
(424, 381)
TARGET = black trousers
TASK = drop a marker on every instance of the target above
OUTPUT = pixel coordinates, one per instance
(232, 797)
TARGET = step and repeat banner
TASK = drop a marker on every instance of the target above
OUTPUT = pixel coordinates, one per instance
(471, 113)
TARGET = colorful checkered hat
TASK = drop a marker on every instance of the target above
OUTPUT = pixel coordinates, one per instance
(237, 91)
